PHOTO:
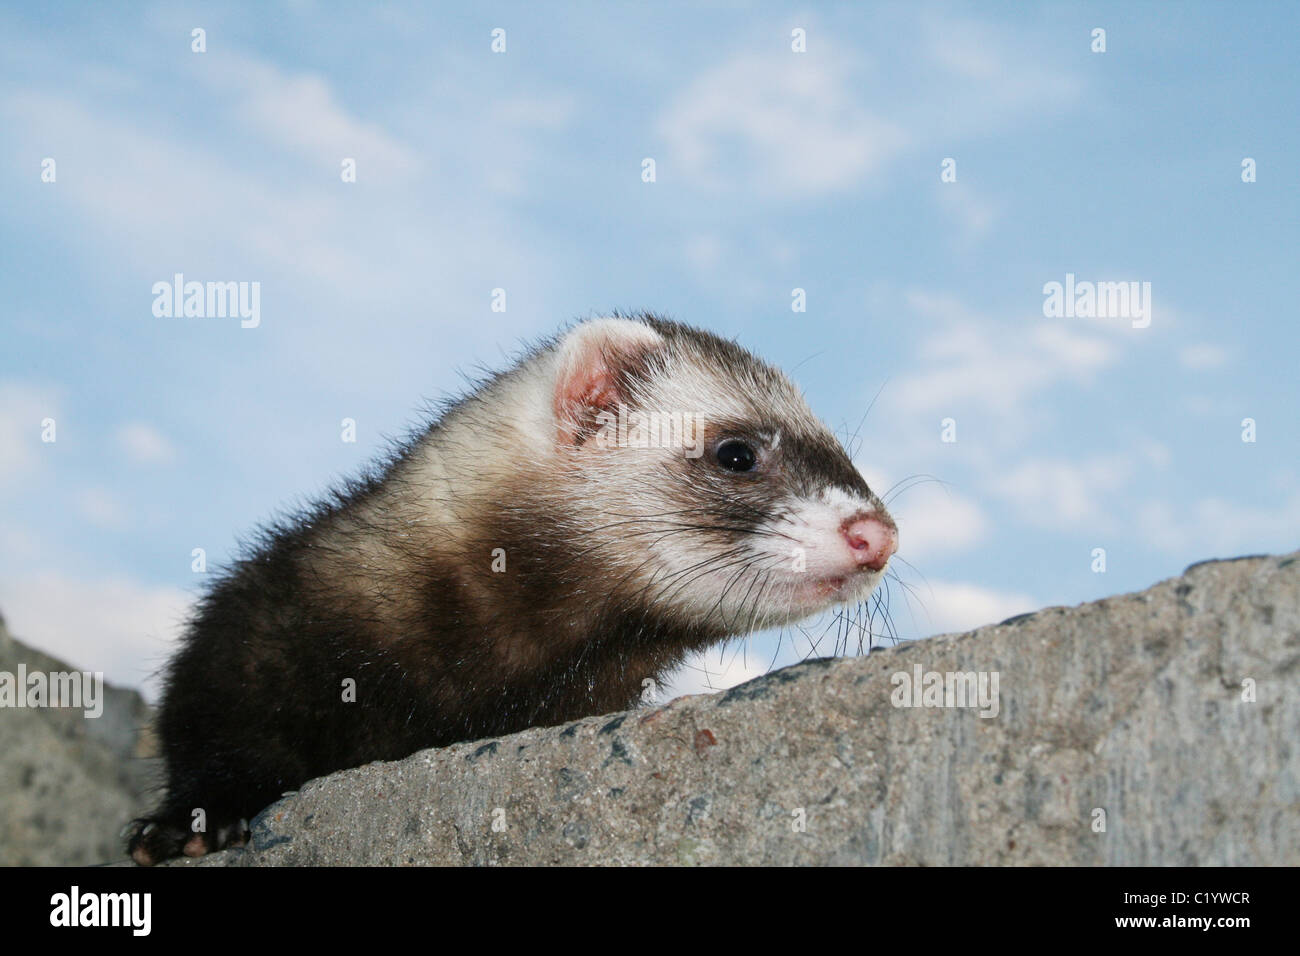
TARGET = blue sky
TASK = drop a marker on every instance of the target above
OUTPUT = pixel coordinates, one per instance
(521, 170)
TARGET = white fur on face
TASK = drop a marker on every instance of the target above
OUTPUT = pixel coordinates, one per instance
(794, 566)
(798, 561)
(823, 565)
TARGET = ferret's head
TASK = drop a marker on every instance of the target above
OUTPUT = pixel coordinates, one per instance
(707, 482)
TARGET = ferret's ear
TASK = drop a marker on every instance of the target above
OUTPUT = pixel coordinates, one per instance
(596, 362)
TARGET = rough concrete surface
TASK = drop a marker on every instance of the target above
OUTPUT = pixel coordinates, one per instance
(68, 783)
(1135, 707)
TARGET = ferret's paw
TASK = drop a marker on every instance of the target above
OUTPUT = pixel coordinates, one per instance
(151, 841)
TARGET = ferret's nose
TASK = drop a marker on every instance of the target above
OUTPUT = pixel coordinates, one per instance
(872, 539)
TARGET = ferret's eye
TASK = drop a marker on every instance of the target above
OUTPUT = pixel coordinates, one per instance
(736, 456)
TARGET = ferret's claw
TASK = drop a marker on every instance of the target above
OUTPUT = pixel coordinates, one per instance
(151, 841)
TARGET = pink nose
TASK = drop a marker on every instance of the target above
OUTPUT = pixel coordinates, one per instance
(872, 540)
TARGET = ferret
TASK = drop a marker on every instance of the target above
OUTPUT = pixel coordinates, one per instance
(530, 558)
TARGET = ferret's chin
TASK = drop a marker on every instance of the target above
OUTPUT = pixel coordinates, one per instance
(812, 594)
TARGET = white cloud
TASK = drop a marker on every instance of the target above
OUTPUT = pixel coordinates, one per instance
(112, 624)
(544, 111)
(102, 508)
(119, 192)
(22, 409)
(20, 546)
(232, 210)
(1214, 527)
(1155, 453)
(144, 444)
(1058, 493)
(991, 75)
(972, 213)
(789, 125)
(316, 248)
(782, 125)
(299, 112)
(741, 270)
(974, 362)
(1203, 356)
(954, 606)
(933, 520)
(705, 253)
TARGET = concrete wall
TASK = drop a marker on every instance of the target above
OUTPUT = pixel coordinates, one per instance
(68, 783)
